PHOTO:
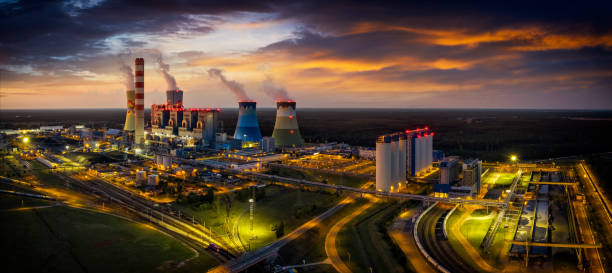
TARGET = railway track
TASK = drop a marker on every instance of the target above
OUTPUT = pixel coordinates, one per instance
(436, 245)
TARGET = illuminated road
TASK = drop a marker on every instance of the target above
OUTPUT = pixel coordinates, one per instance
(586, 233)
(330, 238)
(431, 236)
(401, 233)
(249, 259)
(269, 177)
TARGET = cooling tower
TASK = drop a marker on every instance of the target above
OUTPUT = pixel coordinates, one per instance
(286, 132)
(129, 116)
(247, 128)
(139, 106)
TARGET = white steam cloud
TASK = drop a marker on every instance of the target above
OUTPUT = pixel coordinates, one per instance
(234, 86)
(128, 77)
(164, 69)
(275, 91)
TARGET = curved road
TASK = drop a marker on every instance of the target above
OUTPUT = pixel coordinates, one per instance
(432, 238)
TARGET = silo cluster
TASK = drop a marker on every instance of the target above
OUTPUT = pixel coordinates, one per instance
(400, 155)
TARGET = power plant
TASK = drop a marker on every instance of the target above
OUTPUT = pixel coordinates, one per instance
(247, 127)
(402, 154)
(286, 131)
(139, 106)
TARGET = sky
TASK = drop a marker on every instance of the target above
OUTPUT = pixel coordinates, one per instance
(362, 54)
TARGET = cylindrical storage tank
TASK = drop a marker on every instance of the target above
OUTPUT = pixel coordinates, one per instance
(153, 180)
(286, 131)
(423, 153)
(417, 154)
(247, 127)
(402, 145)
(383, 163)
(429, 150)
(394, 160)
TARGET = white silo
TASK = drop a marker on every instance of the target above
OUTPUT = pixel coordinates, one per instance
(417, 154)
(402, 145)
(394, 160)
(429, 154)
(383, 163)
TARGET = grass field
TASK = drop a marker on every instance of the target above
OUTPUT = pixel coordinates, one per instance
(279, 204)
(475, 227)
(499, 178)
(63, 239)
(368, 245)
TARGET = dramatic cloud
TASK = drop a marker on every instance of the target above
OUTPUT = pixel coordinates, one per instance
(234, 86)
(328, 53)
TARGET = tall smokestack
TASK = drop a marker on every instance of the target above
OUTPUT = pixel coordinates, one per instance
(286, 132)
(247, 128)
(129, 116)
(139, 106)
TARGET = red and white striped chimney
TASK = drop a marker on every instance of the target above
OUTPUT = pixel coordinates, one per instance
(139, 107)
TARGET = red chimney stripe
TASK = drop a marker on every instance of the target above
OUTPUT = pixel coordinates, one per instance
(139, 84)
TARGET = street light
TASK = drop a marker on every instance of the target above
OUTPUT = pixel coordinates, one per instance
(513, 158)
(26, 140)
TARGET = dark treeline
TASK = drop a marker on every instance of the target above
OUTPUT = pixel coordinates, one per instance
(487, 134)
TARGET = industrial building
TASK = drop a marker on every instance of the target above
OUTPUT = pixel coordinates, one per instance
(173, 120)
(247, 127)
(286, 131)
(449, 170)
(402, 154)
(472, 170)
(267, 144)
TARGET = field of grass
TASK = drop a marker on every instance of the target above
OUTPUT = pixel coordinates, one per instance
(63, 239)
(476, 226)
(280, 204)
(346, 180)
(366, 239)
(499, 178)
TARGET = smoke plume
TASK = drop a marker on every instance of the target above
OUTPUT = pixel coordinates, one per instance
(128, 76)
(234, 86)
(275, 91)
(164, 69)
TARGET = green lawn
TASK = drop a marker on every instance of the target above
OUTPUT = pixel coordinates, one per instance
(499, 178)
(279, 204)
(476, 226)
(62, 239)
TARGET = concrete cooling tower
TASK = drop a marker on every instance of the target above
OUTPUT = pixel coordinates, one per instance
(286, 132)
(129, 116)
(247, 128)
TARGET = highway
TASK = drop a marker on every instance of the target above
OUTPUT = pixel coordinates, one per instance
(432, 238)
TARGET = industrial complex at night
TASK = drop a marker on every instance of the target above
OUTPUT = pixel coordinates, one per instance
(428, 138)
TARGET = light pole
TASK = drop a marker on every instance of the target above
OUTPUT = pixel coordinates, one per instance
(252, 207)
